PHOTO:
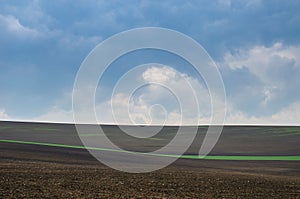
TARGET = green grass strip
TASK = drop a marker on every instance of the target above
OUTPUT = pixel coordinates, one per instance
(209, 157)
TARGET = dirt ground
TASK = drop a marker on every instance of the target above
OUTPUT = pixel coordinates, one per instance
(30, 172)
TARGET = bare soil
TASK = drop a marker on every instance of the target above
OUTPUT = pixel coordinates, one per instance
(38, 172)
(32, 171)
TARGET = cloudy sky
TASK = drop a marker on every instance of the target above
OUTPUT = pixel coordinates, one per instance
(255, 44)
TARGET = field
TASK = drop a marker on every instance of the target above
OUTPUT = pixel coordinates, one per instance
(48, 160)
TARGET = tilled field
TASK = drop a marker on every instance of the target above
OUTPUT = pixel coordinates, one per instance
(21, 179)
(32, 173)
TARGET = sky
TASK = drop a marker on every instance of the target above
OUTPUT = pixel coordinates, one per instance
(255, 45)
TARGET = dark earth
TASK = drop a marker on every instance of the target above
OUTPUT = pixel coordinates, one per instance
(32, 171)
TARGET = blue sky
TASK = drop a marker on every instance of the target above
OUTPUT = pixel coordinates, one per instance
(256, 45)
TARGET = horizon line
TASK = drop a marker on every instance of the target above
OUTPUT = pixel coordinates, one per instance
(146, 125)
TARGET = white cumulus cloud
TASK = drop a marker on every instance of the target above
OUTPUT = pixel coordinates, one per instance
(289, 115)
(266, 78)
(13, 25)
(3, 115)
(171, 98)
(155, 105)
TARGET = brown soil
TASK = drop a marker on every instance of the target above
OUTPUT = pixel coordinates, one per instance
(31, 173)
